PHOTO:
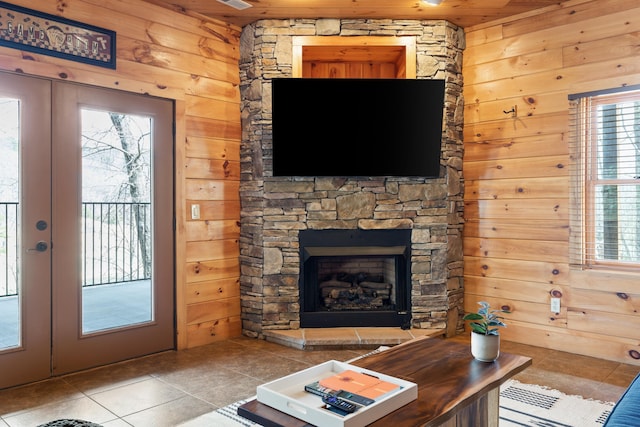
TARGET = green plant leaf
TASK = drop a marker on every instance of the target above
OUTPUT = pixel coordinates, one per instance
(486, 321)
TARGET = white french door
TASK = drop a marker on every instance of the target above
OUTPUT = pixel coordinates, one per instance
(86, 227)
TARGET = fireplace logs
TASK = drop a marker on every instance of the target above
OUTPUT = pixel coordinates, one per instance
(355, 292)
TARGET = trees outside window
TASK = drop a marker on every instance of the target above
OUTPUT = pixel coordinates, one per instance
(606, 180)
(116, 196)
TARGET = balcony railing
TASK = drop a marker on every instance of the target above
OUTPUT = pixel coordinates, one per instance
(8, 249)
(116, 244)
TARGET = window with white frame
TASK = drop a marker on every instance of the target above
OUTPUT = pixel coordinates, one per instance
(605, 179)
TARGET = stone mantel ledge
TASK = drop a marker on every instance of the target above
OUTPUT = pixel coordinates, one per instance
(383, 224)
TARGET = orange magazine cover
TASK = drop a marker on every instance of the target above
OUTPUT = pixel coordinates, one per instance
(359, 383)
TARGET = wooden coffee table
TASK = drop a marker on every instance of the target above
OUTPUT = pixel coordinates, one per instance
(454, 389)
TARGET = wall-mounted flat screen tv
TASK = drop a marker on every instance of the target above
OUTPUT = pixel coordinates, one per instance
(357, 127)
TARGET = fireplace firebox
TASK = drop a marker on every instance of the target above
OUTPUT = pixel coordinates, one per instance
(358, 278)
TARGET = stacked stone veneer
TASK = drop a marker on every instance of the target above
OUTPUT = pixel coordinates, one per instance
(275, 209)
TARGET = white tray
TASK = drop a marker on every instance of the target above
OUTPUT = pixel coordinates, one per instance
(287, 395)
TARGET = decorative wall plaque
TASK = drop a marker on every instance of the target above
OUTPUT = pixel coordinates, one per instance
(30, 30)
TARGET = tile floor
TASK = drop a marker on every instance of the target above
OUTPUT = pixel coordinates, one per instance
(172, 387)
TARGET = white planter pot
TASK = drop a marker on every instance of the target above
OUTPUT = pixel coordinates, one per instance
(485, 348)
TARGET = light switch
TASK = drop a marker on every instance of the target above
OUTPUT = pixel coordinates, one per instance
(555, 305)
(195, 211)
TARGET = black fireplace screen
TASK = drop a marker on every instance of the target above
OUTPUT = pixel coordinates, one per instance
(354, 277)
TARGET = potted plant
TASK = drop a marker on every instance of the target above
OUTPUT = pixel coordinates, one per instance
(485, 335)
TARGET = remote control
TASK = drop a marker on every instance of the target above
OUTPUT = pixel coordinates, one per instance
(354, 397)
(317, 389)
(336, 402)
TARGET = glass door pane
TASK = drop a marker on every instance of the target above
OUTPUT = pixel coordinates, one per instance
(116, 220)
(25, 229)
(9, 214)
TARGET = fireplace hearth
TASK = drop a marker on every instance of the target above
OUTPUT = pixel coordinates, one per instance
(355, 278)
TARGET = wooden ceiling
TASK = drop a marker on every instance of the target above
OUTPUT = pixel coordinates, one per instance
(464, 13)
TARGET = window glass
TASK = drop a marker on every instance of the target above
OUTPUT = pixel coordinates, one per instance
(606, 180)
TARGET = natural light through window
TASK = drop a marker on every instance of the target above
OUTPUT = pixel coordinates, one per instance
(606, 180)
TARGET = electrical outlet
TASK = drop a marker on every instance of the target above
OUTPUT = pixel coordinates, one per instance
(195, 211)
(555, 305)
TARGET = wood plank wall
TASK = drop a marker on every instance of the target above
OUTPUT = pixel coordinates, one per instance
(516, 203)
(194, 61)
(516, 237)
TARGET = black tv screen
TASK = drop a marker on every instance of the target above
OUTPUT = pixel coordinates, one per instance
(357, 127)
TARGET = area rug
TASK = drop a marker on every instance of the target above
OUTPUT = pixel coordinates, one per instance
(520, 405)
(70, 423)
(532, 405)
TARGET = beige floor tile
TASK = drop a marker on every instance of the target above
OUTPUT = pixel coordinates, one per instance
(170, 414)
(224, 395)
(578, 366)
(82, 408)
(118, 422)
(105, 378)
(25, 398)
(131, 398)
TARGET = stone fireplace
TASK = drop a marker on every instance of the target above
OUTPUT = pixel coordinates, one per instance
(417, 283)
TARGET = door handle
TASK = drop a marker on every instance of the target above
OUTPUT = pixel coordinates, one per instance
(41, 246)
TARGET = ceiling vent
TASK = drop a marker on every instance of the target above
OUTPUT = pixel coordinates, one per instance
(236, 4)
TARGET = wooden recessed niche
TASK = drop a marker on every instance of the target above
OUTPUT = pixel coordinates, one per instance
(354, 57)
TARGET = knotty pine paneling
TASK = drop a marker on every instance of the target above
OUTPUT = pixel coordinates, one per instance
(516, 148)
(516, 235)
(516, 37)
(601, 322)
(525, 64)
(211, 290)
(571, 340)
(518, 209)
(555, 273)
(206, 189)
(212, 148)
(353, 70)
(212, 249)
(528, 167)
(515, 290)
(174, 60)
(518, 188)
(525, 105)
(217, 220)
(582, 14)
(616, 282)
(520, 249)
(213, 128)
(212, 169)
(212, 270)
(513, 229)
(221, 329)
(584, 53)
(605, 301)
(210, 108)
(193, 61)
(516, 127)
(209, 311)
